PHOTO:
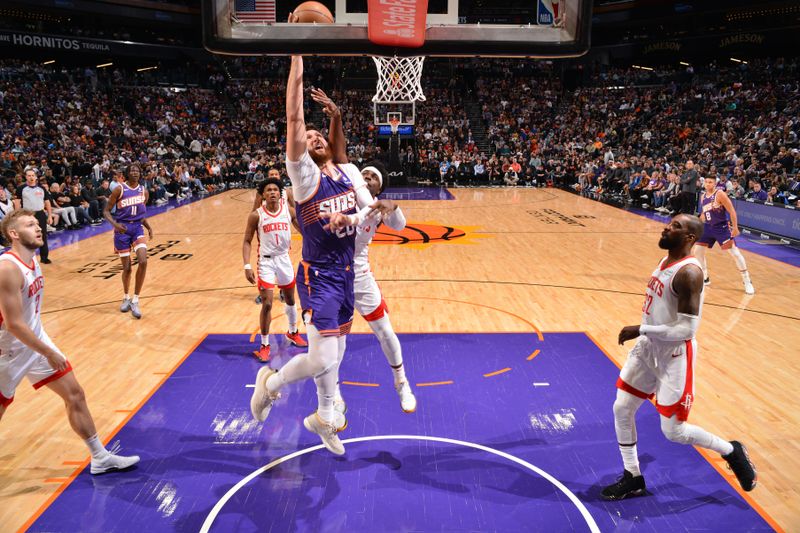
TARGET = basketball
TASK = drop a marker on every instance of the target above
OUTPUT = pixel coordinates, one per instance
(313, 12)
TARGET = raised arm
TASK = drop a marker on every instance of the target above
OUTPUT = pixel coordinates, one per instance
(295, 119)
(336, 138)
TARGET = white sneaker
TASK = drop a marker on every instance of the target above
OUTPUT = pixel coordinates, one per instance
(339, 405)
(326, 431)
(408, 402)
(113, 462)
(261, 401)
(748, 287)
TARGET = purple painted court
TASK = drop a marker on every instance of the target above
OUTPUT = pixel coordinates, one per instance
(521, 450)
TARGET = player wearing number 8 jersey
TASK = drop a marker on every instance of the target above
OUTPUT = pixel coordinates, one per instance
(662, 362)
(720, 226)
(271, 223)
(130, 203)
(331, 201)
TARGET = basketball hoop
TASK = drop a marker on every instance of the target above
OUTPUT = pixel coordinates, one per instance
(399, 79)
(394, 123)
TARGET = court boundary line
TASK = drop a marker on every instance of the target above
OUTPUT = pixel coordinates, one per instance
(482, 282)
(40, 511)
(746, 496)
(587, 516)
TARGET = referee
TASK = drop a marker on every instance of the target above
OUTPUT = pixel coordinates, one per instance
(34, 198)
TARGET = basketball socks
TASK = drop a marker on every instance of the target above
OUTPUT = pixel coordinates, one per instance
(291, 316)
(127, 296)
(265, 340)
(625, 407)
(96, 447)
(135, 299)
(399, 374)
(630, 458)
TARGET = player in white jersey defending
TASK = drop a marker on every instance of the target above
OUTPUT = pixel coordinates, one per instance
(25, 348)
(271, 224)
(368, 299)
(662, 362)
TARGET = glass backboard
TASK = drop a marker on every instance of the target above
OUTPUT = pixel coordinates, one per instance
(455, 28)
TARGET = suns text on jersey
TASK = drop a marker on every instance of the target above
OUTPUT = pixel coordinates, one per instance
(131, 200)
(338, 204)
(35, 286)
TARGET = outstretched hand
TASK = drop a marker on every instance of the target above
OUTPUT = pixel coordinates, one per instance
(328, 106)
(336, 221)
(382, 207)
(293, 18)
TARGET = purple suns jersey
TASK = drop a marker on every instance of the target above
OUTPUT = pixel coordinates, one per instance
(714, 214)
(131, 206)
(320, 246)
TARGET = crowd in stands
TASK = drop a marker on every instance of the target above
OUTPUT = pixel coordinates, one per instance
(625, 134)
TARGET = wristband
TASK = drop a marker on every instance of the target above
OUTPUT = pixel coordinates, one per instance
(248, 267)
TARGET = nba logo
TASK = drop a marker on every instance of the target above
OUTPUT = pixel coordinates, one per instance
(547, 12)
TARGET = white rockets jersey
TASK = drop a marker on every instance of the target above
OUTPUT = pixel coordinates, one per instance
(274, 233)
(32, 292)
(660, 302)
(364, 234)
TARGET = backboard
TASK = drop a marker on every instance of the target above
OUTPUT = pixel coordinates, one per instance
(455, 28)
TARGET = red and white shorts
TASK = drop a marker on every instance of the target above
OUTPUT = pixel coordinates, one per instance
(19, 362)
(368, 298)
(663, 370)
(276, 270)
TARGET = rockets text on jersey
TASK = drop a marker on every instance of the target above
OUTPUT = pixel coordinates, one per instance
(661, 302)
(31, 293)
(274, 233)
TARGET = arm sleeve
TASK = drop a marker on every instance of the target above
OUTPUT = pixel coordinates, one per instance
(682, 329)
(396, 220)
(363, 198)
(305, 176)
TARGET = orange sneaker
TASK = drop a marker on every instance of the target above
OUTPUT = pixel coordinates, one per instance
(262, 354)
(296, 339)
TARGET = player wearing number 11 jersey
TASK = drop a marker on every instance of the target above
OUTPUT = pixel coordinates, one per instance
(662, 362)
(130, 202)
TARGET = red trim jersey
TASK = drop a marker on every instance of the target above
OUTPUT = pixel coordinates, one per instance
(661, 302)
(274, 230)
(31, 292)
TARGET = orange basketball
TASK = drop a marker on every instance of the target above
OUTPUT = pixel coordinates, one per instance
(314, 12)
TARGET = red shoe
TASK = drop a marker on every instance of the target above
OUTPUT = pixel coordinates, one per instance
(296, 339)
(262, 354)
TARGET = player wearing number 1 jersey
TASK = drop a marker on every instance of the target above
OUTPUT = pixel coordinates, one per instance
(662, 362)
(271, 224)
(25, 348)
(130, 203)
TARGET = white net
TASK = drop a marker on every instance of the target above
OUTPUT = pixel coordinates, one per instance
(399, 79)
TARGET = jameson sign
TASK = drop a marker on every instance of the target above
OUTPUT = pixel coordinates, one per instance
(52, 42)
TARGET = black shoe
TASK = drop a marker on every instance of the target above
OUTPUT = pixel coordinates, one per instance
(739, 462)
(45, 261)
(707, 282)
(627, 486)
(258, 299)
